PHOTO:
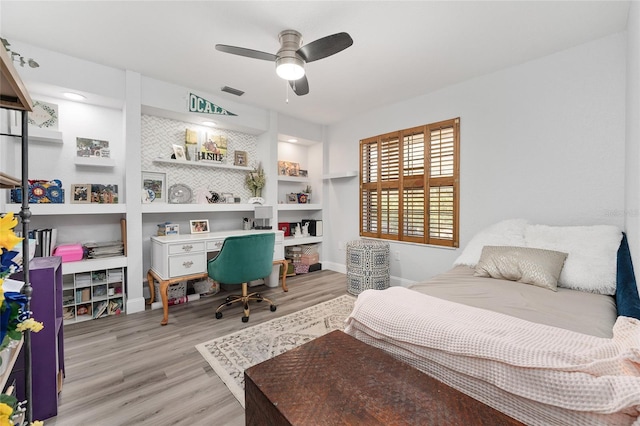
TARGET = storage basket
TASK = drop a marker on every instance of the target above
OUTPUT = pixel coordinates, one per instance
(175, 291)
(309, 259)
(309, 248)
(206, 287)
(301, 268)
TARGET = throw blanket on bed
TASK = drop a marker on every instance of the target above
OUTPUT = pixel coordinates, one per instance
(536, 373)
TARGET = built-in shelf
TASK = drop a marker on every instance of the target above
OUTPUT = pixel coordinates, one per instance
(9, 182)
(293, 241)
(52, 209)
(341, 175)
(95, 161)
(94, 264)
(36, 134)
(293, 179)
(293, 207)
(186, 208)
(201, 164)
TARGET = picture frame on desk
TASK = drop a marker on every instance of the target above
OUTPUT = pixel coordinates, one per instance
(199, 226)
(80, 193)
(154, 187)
(292, 198)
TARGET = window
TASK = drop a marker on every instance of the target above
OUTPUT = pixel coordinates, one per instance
(409, 184)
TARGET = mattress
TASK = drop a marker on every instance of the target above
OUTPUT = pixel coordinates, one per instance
(586, 313)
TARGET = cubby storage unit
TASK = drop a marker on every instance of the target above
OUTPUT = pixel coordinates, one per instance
(93, 294)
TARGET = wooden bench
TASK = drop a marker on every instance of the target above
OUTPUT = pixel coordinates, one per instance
(337, 379)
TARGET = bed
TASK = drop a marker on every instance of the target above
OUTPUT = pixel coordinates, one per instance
(566, 355)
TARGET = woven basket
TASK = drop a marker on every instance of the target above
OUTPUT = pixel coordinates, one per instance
(206, 287)
(175, 291)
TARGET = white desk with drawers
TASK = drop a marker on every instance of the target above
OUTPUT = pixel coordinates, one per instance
(177, 258)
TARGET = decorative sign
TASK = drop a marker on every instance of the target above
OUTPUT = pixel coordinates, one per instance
(213, 149)
(198, 104)
(44, 115)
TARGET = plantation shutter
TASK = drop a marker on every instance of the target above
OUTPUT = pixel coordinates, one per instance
(408, 186)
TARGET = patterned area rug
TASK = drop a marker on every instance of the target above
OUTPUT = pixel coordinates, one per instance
(230, 355)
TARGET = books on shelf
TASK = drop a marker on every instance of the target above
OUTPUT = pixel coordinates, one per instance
(45, 240)
(104, 249)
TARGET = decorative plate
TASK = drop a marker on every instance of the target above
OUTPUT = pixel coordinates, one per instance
(179, 194)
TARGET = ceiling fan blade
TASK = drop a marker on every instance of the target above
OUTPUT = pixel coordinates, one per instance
(301, 86)
(249, 53)
(325, 46)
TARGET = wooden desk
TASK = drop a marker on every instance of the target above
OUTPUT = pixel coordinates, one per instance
(338, 380)
(177, 258)
(164, 286)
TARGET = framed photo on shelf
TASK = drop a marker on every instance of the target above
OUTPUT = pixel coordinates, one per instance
(154, 187)
(227, 197)
(199, 226)
(80, 193)
(288, 168)
(92, 148)
(239, 158)
(179, 153)
(292, 198)
(104, 194)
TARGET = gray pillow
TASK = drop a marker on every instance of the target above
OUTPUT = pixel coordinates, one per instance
(527, 265)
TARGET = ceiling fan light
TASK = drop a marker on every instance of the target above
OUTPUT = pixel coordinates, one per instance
(289, 68)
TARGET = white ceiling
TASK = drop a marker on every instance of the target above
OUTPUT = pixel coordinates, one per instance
(401, 49)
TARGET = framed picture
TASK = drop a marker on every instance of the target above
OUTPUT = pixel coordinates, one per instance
(179, 152)
(292, 198)
(239, 158)
(227, 197)
(80, 193)
(104, 194)
(199, 226)
(288, 168)
(154, 187)
(303, 173)
(92, 148)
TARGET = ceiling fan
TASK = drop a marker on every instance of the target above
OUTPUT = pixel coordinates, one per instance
(292, 56)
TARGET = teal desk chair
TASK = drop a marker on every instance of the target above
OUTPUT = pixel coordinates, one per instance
(242, 259)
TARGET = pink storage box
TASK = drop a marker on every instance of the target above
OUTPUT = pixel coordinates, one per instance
(69, 252)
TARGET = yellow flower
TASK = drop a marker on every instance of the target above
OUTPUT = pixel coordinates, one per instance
(29, 324)
(5, 414)
(8, 238)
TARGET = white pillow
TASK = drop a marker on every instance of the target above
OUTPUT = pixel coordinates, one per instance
(592, 254)
(509, 232)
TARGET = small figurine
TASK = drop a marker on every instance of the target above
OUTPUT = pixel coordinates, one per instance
(298, 233)
(305, 230)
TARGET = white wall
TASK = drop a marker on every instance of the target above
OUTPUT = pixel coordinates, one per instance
(632, 191)
(543, 141)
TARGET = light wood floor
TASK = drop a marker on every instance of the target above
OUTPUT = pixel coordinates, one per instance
(129, 370)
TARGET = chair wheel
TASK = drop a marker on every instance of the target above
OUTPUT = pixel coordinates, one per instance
(273, 308)
(259, 300)
(218, 315)
(245, 319)
(228, 299)
(229, 304)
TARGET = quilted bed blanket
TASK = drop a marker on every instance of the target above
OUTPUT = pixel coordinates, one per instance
(536, 373)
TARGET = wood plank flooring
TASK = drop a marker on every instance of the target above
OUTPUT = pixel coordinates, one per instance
(129, 370)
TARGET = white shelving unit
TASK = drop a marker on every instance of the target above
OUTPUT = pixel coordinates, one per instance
(95, 162)
(50, 209)
(341, 175)
(309, 156)
(93, 294)
(44, 135)
(195, 208)
(201, 164)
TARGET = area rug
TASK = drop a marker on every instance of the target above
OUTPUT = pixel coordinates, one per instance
(230, 355)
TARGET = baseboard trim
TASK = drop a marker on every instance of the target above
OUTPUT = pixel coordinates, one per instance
(135, 305)
(339, 267)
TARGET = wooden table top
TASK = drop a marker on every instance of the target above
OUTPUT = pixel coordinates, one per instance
(337, 379)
